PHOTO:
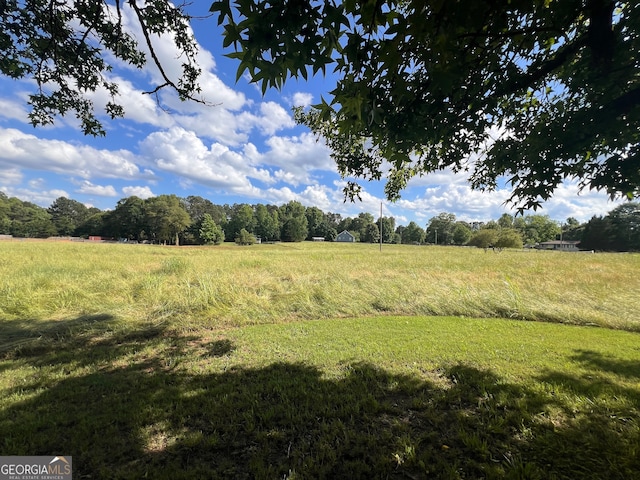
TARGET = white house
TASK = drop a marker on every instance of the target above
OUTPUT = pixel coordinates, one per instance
(561, 245)
(345, 236)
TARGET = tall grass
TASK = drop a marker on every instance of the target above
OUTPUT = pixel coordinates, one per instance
(231, 285)
(239, 362)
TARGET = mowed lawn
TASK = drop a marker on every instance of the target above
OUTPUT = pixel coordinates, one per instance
(319, 360)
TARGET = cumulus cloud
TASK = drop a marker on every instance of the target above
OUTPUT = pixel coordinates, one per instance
(273, 118)
(14, 109)
(312, 196)
(10, 177)
(298, 156)
(139, 191)
(569, 201)
(301, 99)
(43, 198)
(181, 152)
(89, 188)
(21, 150)
(474, 205)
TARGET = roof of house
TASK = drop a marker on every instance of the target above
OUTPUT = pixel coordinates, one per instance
(560, 242)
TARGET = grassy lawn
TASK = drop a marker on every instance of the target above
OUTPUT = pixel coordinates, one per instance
(320, 361)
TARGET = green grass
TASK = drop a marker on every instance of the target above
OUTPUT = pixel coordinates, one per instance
(232, 286)
(285, 361)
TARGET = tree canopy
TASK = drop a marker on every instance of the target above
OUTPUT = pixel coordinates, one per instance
(533, 91)
(69, 48)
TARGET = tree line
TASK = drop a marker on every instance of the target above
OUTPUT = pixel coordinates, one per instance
(195, 220)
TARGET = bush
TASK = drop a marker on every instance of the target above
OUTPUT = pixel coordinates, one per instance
(245, 238)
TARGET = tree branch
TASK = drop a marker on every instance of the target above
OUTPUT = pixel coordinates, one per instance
(158, 63)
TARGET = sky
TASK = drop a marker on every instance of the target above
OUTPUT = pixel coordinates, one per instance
(242, 148)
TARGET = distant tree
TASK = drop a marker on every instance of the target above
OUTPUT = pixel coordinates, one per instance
(388, 228)
(360, 225)
(345, 224)
(539, 228)
(294, 222)
(29, 220)
(96, 224)
(331, 234)
(316, 225)
(333, 220)
(505, 221)
(245, 238)
(197, 207)
(484, 238)
(166, 218)
(242, 216)
(444, 224)
(67, 215)
(129, 219)
(294, 229)
(462, 233)
(372, 234)
(625, 226)
(412, 233)
(5, 208)
(598, 234)
(267, 224)
(572, 229)
(508, 238)
(210, 232)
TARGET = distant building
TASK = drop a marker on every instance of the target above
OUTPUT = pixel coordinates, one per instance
(317, 239)
(345, 236)
(561, 245)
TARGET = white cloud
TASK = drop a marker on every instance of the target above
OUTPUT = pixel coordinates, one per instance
(14, 109)
(43, 198)
(21, 150)
(301, 99)
(298, 157)
(140, 192)
(10, 176)
(273, 118)
(138, 107)
(568, 201)
(181, 152)
(89, 188)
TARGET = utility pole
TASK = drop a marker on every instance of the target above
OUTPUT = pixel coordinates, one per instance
(436, 236)
(380, 226)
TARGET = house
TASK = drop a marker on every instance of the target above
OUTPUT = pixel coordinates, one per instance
(561, 245)
(345, 236)
(317, 239)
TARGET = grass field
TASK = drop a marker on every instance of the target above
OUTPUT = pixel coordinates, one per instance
(320, 361)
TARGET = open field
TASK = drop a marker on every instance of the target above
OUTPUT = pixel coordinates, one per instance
(306, 361)
(232, 286)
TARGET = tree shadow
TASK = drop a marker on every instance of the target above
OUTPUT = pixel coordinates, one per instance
(16, 333)
(596, 360)
(138, 408)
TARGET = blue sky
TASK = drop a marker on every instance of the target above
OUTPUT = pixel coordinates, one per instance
(246, 148)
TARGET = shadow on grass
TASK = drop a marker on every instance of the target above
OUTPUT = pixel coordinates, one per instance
(596, 360)
(18, 334)
(151, 404)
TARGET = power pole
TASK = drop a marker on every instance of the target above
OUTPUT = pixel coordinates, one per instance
(380, 226)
